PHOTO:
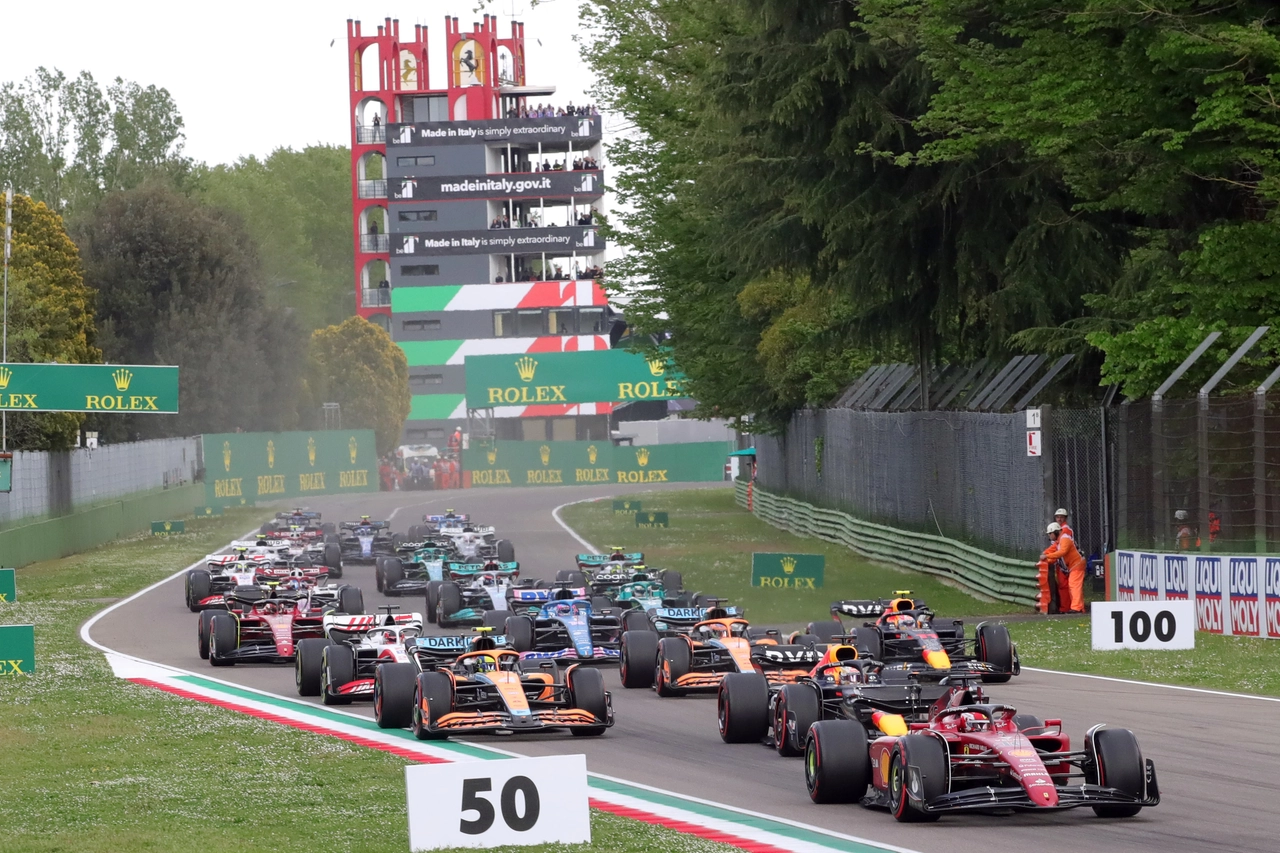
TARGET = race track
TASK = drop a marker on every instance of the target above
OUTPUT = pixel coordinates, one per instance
(1214, 754)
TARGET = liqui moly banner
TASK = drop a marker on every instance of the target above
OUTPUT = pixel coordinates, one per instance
(1237, 595)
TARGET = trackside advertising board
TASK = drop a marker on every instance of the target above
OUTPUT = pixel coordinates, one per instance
(1237, 595)
(787, 571)
(17, 649)
(550, 378)
(8, 586)
(244, 467)
(135, 389)
(568, 463)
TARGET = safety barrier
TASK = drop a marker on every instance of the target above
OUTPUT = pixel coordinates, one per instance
(996, 577)
(92, 526)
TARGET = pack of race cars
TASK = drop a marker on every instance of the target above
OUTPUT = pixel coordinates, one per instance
(886, 702)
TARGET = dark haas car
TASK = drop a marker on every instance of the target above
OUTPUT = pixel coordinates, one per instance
(339, 666)
(842, 686)
(364, 541)
(562, 625)
(495, 691)
(978, 757)
(907, 631)
(676, 660)
(265, 630)
(395, 682)
(615, 559)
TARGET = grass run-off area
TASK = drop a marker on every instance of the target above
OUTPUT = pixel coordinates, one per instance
(96, 763)
(711, 540)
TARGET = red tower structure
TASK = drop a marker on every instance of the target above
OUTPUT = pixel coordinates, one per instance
(472, 93)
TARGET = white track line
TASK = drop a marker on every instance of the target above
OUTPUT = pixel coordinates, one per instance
(555, 513)
(1155, 684)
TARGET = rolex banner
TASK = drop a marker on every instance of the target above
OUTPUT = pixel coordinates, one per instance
(245, 467)
(787, 571)
(571, 463)
(594, 376)
(136, 389)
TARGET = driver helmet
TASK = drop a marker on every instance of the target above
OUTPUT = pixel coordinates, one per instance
(293, 583)
(563, 608)
(971, 722)
(848, 675)
(364, 518)
(1180, 515)
(270, 607)
(903, 620)
(485, 663)
(382, 636)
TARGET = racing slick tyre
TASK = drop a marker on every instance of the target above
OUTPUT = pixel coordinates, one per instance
(333, 559)
(837, 763)
(599, 602)
(675, 657)
(519, 630)
(351, 600)
(377, 573)
(638, 620)
(586, 692)
(392, 574)
(267, 527)
(571, 578)
(415, 533)
(929, 756)
(450, 603)
(506, 551)
(797, 709)
(869, 644)
(639, 651)
(308, 665)
(328, 528)
(1119, 765)
(805, 640)
(433, 600)
(224, 637)
(435, 691)
(393, 686)
(199, 587)
(742, 707)
(825, 630)
(495, 619)
(338, 667)
(396, 541)
(202, 632)
(672, 582)
(331, 537)
(995, 648)
(693, 599)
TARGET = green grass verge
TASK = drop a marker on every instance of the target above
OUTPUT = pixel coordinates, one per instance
(711, 540)
(95, 763)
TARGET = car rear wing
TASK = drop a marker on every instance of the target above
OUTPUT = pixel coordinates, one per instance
(438, 520)
(306, 515)
(786, 656)
(444, 649)
(358, 624)
(375, 525)
(587, 561)
(687, 617)
(539, 596)
(461, 569)
(224, 560)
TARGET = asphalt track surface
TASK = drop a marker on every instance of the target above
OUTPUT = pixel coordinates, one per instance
(1217, 756)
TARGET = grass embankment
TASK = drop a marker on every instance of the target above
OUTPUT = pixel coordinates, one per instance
(711, 540)
(96, 763)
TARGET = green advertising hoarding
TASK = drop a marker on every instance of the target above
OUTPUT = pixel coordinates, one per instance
(8, 586)
(787, 571)
(591, 376)
(244, 467)
(131, 388)
(168, 528)
(571, 463)
(17, 649)
(626, 507)
(652, 519)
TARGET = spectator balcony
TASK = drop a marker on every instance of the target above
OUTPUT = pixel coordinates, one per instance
(371, 189)
(375, 243)
(375, 297)
(375, 135)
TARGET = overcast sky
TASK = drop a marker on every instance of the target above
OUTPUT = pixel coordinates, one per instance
(250, 77)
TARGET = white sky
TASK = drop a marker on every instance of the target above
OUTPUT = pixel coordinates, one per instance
(250, 77)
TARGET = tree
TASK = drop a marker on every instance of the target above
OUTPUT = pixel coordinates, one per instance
(297, 206)
(356, 365)
(67, 143)
(50, 316)
(179, 282)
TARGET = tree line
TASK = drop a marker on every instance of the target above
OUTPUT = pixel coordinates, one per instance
(127, 251)
(809, 187)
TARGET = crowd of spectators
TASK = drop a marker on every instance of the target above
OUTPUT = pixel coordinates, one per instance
(549, 111)
(531, 220)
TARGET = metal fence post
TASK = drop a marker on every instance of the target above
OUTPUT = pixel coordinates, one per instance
(1260, 471)
(1123, 535)
(1202, 469)
(1046, 462)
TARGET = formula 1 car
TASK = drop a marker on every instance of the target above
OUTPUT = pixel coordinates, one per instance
(394, 682)
(495, 691)
(364, 541)
(978, 757)
(563, 627)
(906, 630)
(697, 660)
(320, 599)
(248, 564)
(339, 667)
(841, 687)
(615, 559)
(263, 631)
(432, 523)
(468, 602)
